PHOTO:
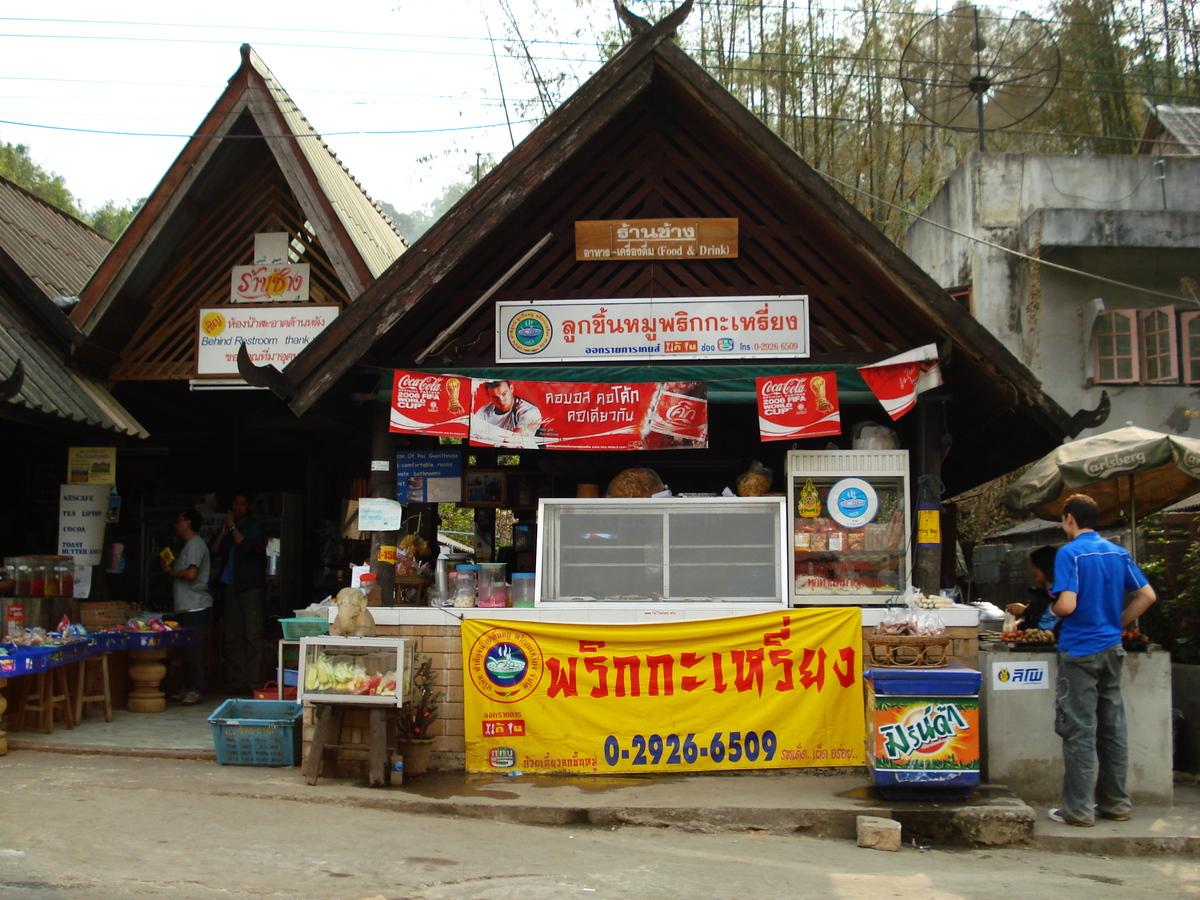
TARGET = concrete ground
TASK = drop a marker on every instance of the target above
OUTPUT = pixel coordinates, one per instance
(179, 741)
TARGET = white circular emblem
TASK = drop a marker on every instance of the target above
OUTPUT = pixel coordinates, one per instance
(852, 502)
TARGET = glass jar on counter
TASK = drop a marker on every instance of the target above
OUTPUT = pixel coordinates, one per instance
(521, 591)
(493, 592)
(466, 585)
(369, 585)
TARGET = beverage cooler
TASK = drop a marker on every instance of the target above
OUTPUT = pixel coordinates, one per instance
(923, 731)
(849, 512)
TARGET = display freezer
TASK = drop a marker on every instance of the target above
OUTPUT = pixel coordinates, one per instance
(849, 528)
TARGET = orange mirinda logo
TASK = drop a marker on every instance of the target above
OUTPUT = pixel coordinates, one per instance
(213, 324)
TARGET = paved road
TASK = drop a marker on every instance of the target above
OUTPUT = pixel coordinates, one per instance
(82, 827)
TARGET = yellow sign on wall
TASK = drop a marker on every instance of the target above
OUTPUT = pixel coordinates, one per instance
(775, 690)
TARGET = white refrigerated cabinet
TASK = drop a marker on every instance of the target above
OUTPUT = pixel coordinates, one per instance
(720, 553)
(857, 550)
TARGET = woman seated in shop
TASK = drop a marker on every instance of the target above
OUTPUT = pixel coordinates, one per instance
(1036, 613)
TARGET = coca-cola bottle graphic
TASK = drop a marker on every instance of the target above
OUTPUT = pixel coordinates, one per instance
(678, 417)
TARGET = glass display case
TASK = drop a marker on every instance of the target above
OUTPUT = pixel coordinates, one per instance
(371, 671)
(849, 526)
(673, 550)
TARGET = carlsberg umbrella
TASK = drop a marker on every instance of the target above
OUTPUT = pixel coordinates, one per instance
(1129, 472)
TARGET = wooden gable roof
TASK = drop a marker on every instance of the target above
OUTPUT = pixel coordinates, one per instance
(652, 135)
(254, 165)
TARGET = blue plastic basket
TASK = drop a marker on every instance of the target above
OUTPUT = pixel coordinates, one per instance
(30, 660)
(257, 732)
(107, 641)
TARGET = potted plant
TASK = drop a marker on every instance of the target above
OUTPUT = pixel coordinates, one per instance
(416, 716)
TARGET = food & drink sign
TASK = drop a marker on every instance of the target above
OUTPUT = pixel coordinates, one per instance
(632, 331)
(770, 691)
(656, 239)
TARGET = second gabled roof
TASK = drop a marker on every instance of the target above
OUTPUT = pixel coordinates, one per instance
(357, 237)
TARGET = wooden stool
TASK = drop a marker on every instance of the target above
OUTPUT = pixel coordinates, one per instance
(327, 735)
(102, 695)
(48, 692)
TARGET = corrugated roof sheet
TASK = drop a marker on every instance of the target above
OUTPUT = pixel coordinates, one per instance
(1180, 122)
(49, 252)
(375, 238)
(57, 252)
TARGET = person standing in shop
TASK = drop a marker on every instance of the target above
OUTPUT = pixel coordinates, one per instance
(1091, 578)
(193, 601)
(244, 575)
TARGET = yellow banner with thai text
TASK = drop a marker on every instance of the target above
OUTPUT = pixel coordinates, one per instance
(767, 691)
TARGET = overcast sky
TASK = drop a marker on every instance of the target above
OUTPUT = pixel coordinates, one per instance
(404, 91)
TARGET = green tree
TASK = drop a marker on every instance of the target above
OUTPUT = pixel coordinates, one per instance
(19, 167)
(110, 219)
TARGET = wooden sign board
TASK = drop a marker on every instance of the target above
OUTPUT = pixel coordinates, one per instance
(656, 239)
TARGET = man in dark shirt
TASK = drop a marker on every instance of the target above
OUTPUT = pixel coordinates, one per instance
(244, 576)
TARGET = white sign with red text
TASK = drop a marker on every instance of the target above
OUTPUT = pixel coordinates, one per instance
(632, 331)
(275, 283)
(272, 334)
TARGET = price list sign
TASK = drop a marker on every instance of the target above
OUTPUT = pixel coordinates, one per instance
(769, 691)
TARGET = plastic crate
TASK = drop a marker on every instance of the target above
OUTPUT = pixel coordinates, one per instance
(257, 732)
(294, 629)
(147, 640)
(179, 637)
(30, 660)
(106, 641)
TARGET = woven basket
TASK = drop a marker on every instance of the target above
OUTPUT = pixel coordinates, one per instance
(907, 651)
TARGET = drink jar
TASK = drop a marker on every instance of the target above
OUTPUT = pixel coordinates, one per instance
(493, 592)
(466, 582)
(521, 592)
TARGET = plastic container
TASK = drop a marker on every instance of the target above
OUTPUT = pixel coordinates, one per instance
(466, 585)
(294, 629)
(493, 592)
(257, 732)
(369, 585)
(521, 592)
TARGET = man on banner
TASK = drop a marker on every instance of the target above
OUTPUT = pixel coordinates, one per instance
(896, 381)
(506, 420)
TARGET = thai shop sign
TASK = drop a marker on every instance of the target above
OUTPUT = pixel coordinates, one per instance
(625, 331)
(272, 334)
(286, 283)
(769, 691)
(649, 239)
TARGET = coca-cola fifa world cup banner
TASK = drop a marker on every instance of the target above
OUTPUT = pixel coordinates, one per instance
(791, 407)
(552, 415)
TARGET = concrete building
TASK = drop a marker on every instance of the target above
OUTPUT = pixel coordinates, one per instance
(1099, 298)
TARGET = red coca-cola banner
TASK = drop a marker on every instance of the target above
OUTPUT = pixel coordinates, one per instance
(798, 406)
(558, 415)
(897, 380)
(436, 405)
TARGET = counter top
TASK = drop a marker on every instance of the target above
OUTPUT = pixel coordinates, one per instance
(634, 614)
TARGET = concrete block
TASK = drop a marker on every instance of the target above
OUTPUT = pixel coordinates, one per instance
(876, 833)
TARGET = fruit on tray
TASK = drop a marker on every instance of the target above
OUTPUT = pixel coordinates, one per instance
(1133, 636)
(324, 674)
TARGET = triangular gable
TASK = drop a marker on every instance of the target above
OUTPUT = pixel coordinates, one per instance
(869, 300)
(254, 164)
(1171, 129)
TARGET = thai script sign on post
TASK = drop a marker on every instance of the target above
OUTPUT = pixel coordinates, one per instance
(272, 334)
(280, 283)
(771, 691)
(653, 239)
(624, 331)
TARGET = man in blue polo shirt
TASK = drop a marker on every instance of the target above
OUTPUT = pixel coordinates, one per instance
(1091, 579)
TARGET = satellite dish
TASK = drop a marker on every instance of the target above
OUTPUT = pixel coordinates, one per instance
(979, 69)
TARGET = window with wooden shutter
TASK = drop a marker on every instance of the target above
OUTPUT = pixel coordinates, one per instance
(1160, 361)
(1116, 348)
(1189, 325)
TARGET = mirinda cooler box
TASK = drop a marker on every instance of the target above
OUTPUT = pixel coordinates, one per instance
(924, 724)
